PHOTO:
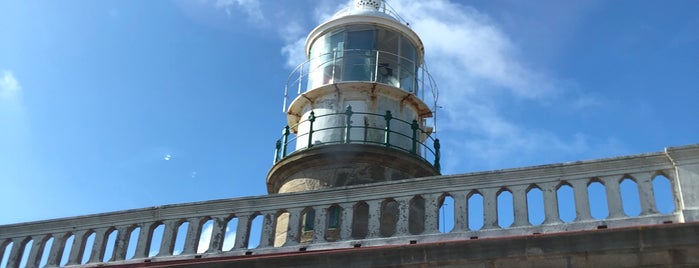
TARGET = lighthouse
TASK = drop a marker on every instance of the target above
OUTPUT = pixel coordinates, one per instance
(361, 109)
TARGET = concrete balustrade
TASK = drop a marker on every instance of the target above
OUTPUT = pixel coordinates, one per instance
(399, 212)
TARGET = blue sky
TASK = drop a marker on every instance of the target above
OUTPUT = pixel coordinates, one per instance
(112, 105)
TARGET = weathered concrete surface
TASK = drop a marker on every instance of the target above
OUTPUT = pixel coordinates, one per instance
(343, 165)
(670, 245)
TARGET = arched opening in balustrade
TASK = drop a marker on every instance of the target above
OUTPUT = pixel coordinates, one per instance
(389, 217)
(597, 194)
(566, 202)
(67, 248)
(207, 228)
(360, 220)
(332, 231)
(180, 238)
(281, 228)
(446, 213)
(134, 234)
(46, 252)
(110, 243)
(505, 207)
(27, 245)
(308, 218)
(230, 234)
(662, 192)
(156, 236)
(475, 210)
(88, 242)
(535, 205)
(255, 233)
(5, 249)
(630, 200)
(416, 215)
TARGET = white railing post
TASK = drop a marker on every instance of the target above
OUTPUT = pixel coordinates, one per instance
(611, 184)
(645, 192)
(293, 234)
(144, 240)
(37, 250)
(121, 244)
(99, 245)
(582, 199)
(191, 242)
(550, 193)
(269, 222)
(347, 212)
(78, 248)
(460, 211)
(18, 245)
(519, 206)
(218, 233)
(167, 243)
(319, 224)
(242, 231)
(431, 213)
(490, 211)
(374, 221)
(403, 222)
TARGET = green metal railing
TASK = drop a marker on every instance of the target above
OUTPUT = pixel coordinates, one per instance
(418, 138)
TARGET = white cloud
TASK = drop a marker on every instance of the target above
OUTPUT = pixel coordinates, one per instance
(251, 8)
(9, 87)
(477, 66)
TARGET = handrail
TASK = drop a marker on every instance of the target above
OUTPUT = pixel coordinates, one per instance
(399, 71)
(32, 237)
(418, 138)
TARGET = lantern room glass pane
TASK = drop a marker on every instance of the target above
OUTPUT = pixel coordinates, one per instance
(363, 53)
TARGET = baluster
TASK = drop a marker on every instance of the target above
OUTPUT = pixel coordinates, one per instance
(311, 119)
(521, 210)
(167, 244)
(348, 123)
(191, 242)
(320, 224)
(616, 209)
(490, 211)
(99, 245)
(218, 232)
(78, 248)
(582, 200)
(346, 221)
(18, 245)
(437, 155)
(268, 234)
(403, 223)
(374, 222)
(645, 193)
(242, 231)
(387, 129)
(293, 236)
(414, 126)
(122, 243)
(277, 151)
(431, 213)
(460, 211)
(144, 240)
(57, 247)
(551, 215)
(285, 140)
(36, 252)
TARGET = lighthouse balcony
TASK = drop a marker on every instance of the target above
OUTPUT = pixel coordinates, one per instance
(359, 65)
(349, 127)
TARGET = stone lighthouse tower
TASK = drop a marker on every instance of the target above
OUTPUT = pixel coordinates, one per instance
(358, 112)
